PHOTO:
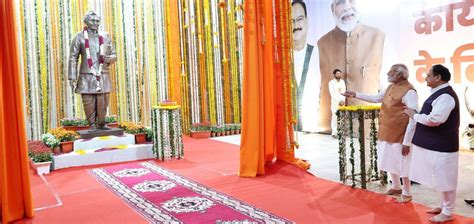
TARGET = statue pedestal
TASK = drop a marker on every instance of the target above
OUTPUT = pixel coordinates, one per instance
(104, 142)
(102, 150)
(92, 133)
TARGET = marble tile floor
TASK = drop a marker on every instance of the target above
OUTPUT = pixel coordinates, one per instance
(322, 152)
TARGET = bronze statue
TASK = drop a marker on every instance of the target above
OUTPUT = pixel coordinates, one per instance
(92, 81)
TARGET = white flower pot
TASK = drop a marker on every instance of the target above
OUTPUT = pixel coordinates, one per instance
(42, 168)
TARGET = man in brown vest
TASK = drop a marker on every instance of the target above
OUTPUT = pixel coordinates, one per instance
(395, 128)
(354, 48)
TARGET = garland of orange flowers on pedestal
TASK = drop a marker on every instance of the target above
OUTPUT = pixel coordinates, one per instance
(90, 63)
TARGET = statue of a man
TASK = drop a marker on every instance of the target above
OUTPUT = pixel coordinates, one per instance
(92, 81)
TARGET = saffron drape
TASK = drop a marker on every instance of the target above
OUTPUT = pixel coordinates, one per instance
(267, 119)
(258, 108)
(14, 172)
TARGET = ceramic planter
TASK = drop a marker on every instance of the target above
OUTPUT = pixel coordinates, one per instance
(140, 138)
(201, 134)
(42, 168)
(67, 147)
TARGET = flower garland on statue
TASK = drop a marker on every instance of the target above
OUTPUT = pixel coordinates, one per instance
(98, 72)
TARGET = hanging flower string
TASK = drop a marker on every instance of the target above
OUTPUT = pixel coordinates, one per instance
(98, 72)
(347, 115)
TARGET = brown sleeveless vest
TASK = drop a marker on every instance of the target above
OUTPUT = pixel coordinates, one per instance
(392, 122)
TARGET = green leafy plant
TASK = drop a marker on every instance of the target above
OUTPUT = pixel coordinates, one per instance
(213, 129)
(200, 127)
(74, 122)
(149, 134)
(39, 152)
(110, 119)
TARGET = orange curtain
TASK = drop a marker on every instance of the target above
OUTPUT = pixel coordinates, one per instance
(258, 108)
(14, 172)
(267, 119)
(174, 57)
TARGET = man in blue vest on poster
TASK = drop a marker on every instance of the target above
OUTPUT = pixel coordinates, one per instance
(435, 158)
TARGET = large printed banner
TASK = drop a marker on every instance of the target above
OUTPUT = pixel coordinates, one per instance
(363, 38)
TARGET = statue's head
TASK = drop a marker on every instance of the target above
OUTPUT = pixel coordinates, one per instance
(92, 20)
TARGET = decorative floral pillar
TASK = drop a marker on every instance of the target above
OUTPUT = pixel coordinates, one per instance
(345, 131)
(167, 134)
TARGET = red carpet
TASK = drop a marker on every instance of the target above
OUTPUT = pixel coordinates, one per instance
(285, 191)
(165, 197)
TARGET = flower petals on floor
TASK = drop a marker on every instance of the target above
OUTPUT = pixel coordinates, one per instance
(163, 196)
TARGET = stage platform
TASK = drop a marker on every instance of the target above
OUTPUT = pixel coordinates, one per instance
(103, 150)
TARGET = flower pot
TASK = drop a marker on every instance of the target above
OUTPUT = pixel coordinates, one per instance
(140, 138)
(67, 147)
(56, 150)
(112, 125)
(201, 135)
(227, 132)
(213, 134)
(75, 128)
(42, 168)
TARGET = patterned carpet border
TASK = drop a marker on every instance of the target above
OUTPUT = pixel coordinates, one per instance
(141, 196)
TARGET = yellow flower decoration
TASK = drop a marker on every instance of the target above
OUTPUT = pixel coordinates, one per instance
(356, 108)
(81, 151)
(171, 107)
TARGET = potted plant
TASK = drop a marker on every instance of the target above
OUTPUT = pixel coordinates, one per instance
(220, 130)
(52, 142)
(214, 130)
(227, 128)
(40, 156)
(233, 129)
(469, 135)
(136, 129)
(74, 124)
(238, 128)
(149, 134)
(111, 121)
(200, 130)
(66, 138)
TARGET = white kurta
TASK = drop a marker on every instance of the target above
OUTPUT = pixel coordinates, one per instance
(336, 88)
(390, 158)
(310, 103)
(437, 170)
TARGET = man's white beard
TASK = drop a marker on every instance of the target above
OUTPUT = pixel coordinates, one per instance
(346, 26)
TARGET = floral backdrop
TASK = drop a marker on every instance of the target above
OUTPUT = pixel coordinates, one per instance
(200, 69)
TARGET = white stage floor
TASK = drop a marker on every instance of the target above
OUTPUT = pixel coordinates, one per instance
(322, 152)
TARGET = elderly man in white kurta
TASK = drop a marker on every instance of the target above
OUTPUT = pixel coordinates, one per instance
(395, 129)
(337, 87)
(436, 142)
